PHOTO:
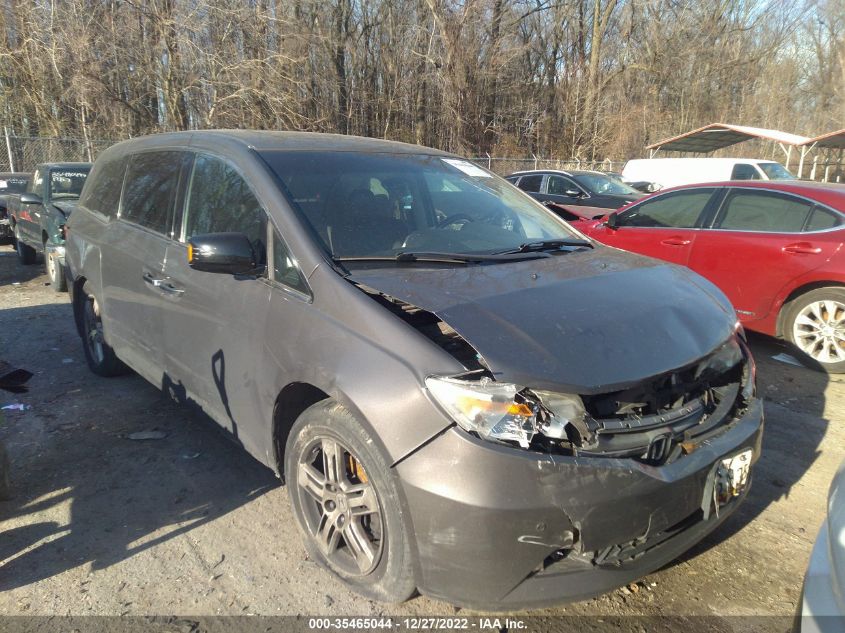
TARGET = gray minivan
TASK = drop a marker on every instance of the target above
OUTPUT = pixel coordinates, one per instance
(467, 397)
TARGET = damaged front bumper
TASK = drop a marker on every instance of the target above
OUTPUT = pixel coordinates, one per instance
(499, 528)
(57, 251)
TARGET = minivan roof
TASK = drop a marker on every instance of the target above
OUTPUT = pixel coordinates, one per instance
(277, 140)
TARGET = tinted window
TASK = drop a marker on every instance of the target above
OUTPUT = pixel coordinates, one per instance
(744, 171)
(382, 203)
(531, 183)
(103, 192)
(285, 268)
(764, 211)
(220, 201)
(821, 219)
(558, 185)
(678, 210)
(150, 192)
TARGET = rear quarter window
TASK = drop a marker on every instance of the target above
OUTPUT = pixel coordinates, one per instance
(821, 219)
(101, 193)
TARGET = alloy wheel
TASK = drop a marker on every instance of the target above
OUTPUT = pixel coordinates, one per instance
(819, 331)
(342, 510)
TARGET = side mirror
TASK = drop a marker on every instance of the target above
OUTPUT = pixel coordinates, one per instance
(30, 198)
(572, 193)
(226, 253)
(612, 221)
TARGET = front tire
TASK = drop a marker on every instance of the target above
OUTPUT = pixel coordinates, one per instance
(345, 501)
(55, 271)
(815, 324)
(26, 254)
(99, 355)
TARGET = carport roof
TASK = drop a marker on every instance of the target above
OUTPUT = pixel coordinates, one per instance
(718, 135)
(833, 140)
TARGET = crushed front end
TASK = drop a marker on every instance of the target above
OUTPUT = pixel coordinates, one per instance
(598, 490)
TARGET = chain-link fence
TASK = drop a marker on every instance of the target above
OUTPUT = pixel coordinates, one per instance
(23, 153)
(505, 166)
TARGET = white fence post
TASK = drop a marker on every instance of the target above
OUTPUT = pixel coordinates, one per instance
(9, 149)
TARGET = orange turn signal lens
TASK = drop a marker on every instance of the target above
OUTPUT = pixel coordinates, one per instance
(190, 253)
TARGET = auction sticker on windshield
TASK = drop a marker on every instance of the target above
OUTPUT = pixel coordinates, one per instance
(467, 167)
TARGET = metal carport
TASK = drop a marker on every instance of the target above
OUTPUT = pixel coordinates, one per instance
(720, 135)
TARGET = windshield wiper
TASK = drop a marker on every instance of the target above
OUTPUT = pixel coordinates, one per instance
(546, 245)
(445, 258)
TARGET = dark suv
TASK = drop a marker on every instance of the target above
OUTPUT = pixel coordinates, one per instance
(437, 365)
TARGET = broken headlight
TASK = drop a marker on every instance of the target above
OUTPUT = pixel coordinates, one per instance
(505, 412)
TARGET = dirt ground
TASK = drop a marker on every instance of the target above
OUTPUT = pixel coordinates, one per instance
(190, 524)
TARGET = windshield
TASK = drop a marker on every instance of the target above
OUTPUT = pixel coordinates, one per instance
(382, 204)
(776, 171)
(602, 184)
(67, 183)
(13, 185)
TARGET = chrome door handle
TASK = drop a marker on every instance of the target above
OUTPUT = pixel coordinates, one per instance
(169, 288)
(152, 281)
(675, 241)
(802, 248)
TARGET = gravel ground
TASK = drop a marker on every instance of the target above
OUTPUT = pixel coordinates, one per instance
(192, 525)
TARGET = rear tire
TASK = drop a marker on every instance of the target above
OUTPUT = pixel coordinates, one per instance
(815, 325)
(26, 254)
(345, 501)
(55, 271)
(99, 355)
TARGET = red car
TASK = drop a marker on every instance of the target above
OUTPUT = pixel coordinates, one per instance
(774, 248)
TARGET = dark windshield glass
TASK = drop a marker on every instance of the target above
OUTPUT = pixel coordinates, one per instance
(602, 184)
(67, 183)
(13, 184)
(378, 204)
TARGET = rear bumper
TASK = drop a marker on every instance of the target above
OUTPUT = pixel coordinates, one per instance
(500, 528)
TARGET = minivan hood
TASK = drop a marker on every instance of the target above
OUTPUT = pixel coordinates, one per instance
(586, 322)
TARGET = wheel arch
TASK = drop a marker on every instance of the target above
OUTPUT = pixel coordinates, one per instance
(292, 400)
(798, 292)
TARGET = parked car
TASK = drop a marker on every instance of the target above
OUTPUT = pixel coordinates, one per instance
(775, 249)
(10, 183)
(576, 188)
(432, 360)
(822, 600)
(38, 215)
(672, 172)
